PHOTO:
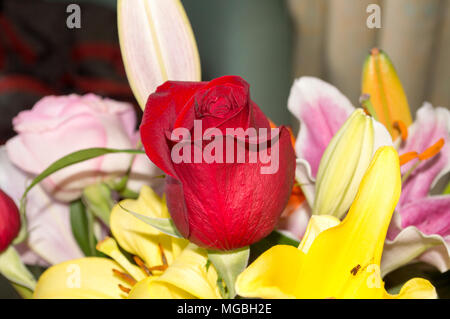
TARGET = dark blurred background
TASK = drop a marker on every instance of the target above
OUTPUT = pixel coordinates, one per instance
(268, 42)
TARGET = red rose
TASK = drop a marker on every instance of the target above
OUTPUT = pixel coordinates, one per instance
(224, 190)
(9, 220)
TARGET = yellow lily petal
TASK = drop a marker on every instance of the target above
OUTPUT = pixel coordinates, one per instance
(186, 277)
(380, 81)
(342, 261)
(268, 276)
(90, 277)
(358, 240)
(151, 289)
(316, 225)
(109, 247)
(272, 275)
(416, 288)
(157, 44)
(139, 238)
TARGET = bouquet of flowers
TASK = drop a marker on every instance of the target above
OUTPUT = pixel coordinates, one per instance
(209, 198)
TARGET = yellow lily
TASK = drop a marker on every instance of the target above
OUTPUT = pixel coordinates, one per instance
(338, 259)
(166, 267)
(381, 82)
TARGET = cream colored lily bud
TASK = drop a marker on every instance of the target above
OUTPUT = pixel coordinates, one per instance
(157, 45)
(345, 162)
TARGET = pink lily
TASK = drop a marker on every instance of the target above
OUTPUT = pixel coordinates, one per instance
(416, 233)
(421, 229)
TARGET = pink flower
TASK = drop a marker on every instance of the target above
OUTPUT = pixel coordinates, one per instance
(321, 110)
(420, 229)
(59, 125)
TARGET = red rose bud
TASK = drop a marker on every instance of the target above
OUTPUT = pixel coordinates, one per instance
(229, 176)
(9, 220)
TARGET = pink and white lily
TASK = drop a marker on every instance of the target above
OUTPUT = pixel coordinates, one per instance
(421, 226)
(322, 111)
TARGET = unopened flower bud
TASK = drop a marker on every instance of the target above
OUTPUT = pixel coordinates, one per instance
(9, 220)
(345, 161)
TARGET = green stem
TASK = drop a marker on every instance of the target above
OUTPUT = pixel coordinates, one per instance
(408, 173)
(447, 189)
(367, 104)
(91, 234)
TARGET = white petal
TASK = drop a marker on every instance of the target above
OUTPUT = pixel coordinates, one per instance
(157, 45)
(409, 245)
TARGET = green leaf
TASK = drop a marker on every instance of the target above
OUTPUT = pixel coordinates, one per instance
(229, 264)
(74, 158)
(164, 225)
(25, 293)
(14, 270)
(98, 200)
(128, 193)
(70, 159)
(81, 228)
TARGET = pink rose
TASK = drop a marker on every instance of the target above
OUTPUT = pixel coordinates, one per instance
(59, 125)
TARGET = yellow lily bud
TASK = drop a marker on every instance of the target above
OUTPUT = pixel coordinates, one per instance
(381, 82)
(345, 162)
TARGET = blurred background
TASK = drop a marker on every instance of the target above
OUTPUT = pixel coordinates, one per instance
(268, 42)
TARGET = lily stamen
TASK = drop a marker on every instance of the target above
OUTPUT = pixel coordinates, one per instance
(142, 265)
(163, 256)
(124, 289)
(125, 277)
(432, 150)
(401, 128)
(407, 157)
(109, 247)
(160, 268)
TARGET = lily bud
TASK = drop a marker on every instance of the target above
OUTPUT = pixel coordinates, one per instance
(9, 221)
(345, 162)
(162, 30)
(381, 82)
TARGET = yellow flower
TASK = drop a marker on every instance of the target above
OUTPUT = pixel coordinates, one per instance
(167, 267)
(338, 259)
